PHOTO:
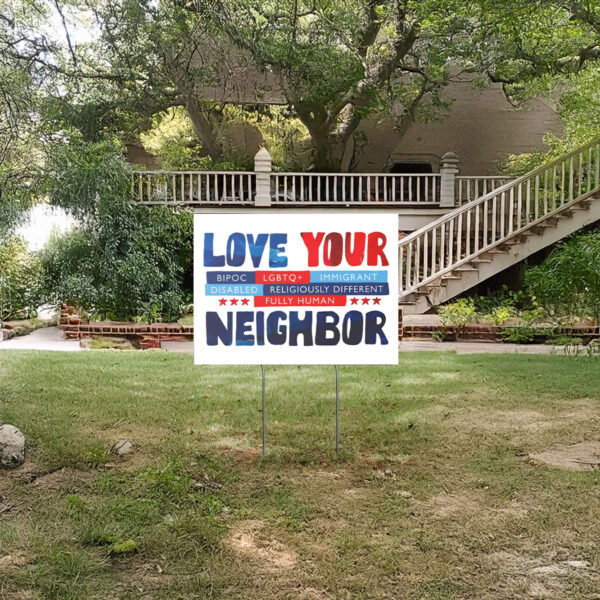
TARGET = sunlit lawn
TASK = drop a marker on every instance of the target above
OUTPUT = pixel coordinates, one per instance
(431, 497)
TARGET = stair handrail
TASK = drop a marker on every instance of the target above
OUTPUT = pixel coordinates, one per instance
(500, 192)
(503, 188)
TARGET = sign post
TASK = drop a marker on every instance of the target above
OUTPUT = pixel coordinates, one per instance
(337, 408)
(296, 288)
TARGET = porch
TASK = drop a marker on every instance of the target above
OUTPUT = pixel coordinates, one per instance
(418, 198)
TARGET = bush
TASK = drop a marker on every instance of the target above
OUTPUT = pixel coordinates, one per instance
(19, 272)
(458, 314)
(134, 260)
(519, 335)
(121, 259)
(567, 282)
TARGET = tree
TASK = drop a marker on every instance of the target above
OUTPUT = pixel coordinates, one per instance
(338, 62)
(19, 273)
(139, 62)
(331, 62)
(21, 78)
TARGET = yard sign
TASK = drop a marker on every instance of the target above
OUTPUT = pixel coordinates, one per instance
(296, 288)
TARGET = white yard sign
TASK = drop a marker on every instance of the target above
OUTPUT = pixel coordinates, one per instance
(296, 288)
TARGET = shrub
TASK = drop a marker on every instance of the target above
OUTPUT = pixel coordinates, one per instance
(458, 314)
(567, 281)
(501, 314)
(19, 271)
(121, 259)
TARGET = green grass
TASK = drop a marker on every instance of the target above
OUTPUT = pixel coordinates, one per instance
(431, 497)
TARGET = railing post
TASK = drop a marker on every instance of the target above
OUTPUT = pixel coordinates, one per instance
(262, 168)
(449, 169)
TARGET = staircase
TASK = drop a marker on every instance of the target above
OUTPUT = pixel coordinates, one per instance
(487, 235)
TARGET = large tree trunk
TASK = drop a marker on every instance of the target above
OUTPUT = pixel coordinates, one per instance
(332, 136)
(204, 129)
(327, 158)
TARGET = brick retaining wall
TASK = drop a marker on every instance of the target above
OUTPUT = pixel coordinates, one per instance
(148, 335)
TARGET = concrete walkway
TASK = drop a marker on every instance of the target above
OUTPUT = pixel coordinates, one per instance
(429, 346)
(47, 338)
(477, 347)
(51, 338)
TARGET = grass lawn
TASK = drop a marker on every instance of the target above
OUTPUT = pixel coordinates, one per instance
(432, 497)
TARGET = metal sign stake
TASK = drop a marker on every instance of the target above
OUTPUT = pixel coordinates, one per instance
(264, 421)
(337, 409)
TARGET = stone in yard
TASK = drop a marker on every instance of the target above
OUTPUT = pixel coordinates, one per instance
(12, 447)
(121, 447)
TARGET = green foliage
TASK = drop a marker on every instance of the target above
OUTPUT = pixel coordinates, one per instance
(503, 297)
(121, 259)
(567, 282)
(564, 340)
(173, 141)
(458, 314)
(501, 314)
(524, 334)
(284, 135)
(123, 547)
(91, 181)
(19, 272)
(22, 133)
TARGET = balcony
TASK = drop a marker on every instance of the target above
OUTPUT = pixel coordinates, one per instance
(266, 188)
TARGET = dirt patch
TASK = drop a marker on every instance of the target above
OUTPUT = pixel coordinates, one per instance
(450, 505)
(249, 540)
(494, 421)
(584, 456)
(147, 577)
(542, 576)
(59, 478)
(14, 561)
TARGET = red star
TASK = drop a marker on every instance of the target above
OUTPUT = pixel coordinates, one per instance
(365, 301)
(376, 300)
(233, 302)
(354, 300)
(223, 301)
(245, 301)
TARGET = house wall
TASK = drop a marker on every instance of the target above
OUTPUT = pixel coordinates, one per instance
(482, 128)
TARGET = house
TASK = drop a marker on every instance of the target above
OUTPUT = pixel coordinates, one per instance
(459, 225)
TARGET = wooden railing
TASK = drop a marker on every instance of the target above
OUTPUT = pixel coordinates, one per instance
(470, 188)
(355, 188)
(193, 187)
(452, 240)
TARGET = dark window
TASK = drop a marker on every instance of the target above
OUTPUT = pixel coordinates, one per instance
(416, 189)
(412, 167)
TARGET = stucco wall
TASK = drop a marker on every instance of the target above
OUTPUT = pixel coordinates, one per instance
(481, 127)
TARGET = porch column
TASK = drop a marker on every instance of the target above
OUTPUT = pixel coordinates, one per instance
(449, 169)
(262, 168)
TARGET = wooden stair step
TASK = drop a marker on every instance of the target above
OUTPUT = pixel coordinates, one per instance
(466, 269)
(516, 240)
(477, 261)
(583, 205)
